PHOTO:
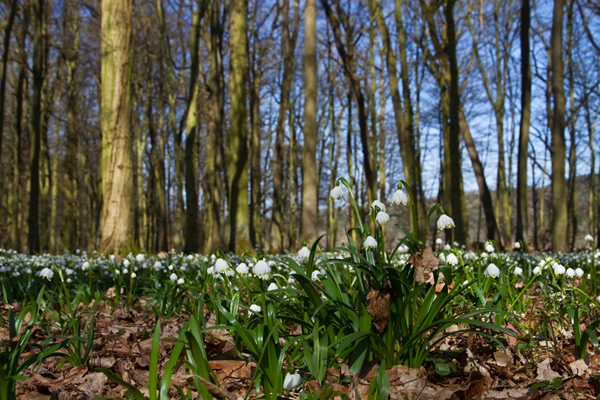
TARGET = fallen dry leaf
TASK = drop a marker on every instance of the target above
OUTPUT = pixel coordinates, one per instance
(579, 367)
(424, 266)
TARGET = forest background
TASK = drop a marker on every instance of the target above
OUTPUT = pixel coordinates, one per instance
(210, 124)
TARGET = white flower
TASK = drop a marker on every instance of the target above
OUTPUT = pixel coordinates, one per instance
(536, 270)
(336, 193)
(589, 238)
(47, 273)
(517, 245)
(157, 265)
(518, 271)
(272, 286)
(190, 257)
(173, 277)
(465, 283)
(570, 273)
(489, 247)
(126, 263)
(69, 280)
(303, 253)
(170, 267)
(125, 271)
(85, 266)
(242, 269)
(112, 257)
(261, 270)
(447, 247)
(382, 218)
(291, 381)
(140, 258)
(559, 270)
(375, 204)
(133, 274)
(492, 271)
(180, 281)
(444, 222)
(315, 275)
(399, 198)
(579, 272)
(254, 309)
(442, 257)
(438, 241)
(291, 279)
(221, 265)
(370, 243)
(484, 255)
(452, 259)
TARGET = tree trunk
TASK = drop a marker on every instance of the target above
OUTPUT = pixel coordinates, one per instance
(558, 147)
(117, 141)
(524, 130)
(310, 199)
(5, 50)
(239, 234)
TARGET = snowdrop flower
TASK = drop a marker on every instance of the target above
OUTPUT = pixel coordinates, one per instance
(484, 255)
(117, 272)
(125, 271)
(536, 270)
(570, 273)
(444, 222)
(170, 267)
(261, 269)
(180, 281)
(69, 280)
(112, 257)
(336, 193)
(579, 272)
(221, 265)
(589, 238)
(315, 275)
(438, 241)
(517, 245)
(375, 204)
(399, 197)
(85, 266)
(442, 257)
(47, 273)
(133, 274)
(518, 271)
(242, 269)
(190, 257)
(291, 381)
(370, 243)
(492, 271)
(303, 253)
(157, 265)
(173, 277)
(447, 247)
(229, 272)
(489, 247)
(272, 286)
(465, 283)
(452, 259)
(140, 258)
(126, 262)
(382, 218)
(291, 279)
(559, 270)
(253, 309)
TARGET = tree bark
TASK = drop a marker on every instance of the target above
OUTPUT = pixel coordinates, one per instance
(117, 141)
(5, 52)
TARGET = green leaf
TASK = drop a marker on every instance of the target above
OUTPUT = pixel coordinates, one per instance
(153, 372)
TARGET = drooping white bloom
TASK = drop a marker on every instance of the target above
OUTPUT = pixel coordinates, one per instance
(315, 275)
(170, 267)
(291, 381)
(570, 273)
(536, 270)
(442, 257)
(242, 269)
(125, 271)
(452, 259)
(47, 273)
(579, 272)
(211, 271)
(133, 274)
(370, 243)
(291, 279)
(221, 265)
(489, 247)
(518, 271)
(484, 255)
(190, 257)
(157, 265)
(229, 272)
(336, 193)
(492, 271)
(272, 286)
(126, 262)
(85, 266)
(399, 197)
(112, 257)
(377, 203)
(438, 241)
(447, 247)
(444, 222)
(254, 309)
(517, 245)
(382, 218)
(140, 258)
(261, 270)
(589, 238)
(559, 270)
(303, 253)
(180, 281)
(173, 277)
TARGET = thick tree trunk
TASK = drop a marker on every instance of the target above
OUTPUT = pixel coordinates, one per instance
(310, 199)
(117, 141)
(524, 129)
(239, 233)
(558, 147)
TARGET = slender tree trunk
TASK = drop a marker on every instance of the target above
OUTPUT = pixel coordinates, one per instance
(310, 199)
(524, 130)
(5, 51)
(117, 141)
(558, 147)
(239, 235)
